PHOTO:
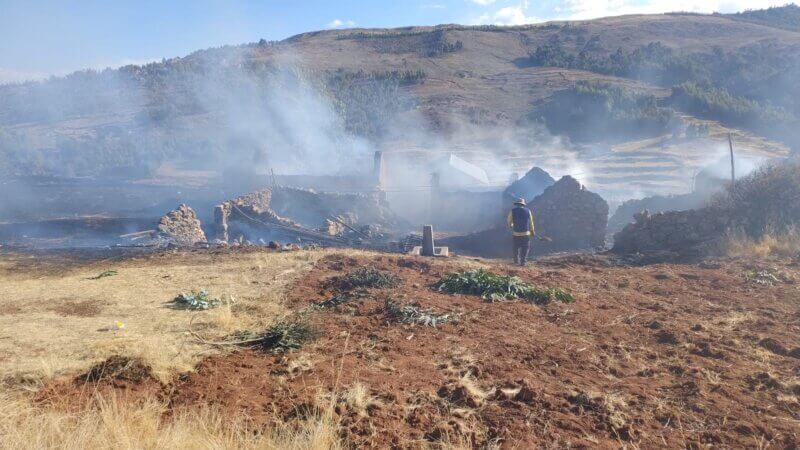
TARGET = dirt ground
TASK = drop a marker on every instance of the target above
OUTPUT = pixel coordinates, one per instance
(646, 357)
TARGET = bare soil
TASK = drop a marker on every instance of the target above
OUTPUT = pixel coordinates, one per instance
(659, 356)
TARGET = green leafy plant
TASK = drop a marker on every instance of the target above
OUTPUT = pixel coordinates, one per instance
(366, 277)
(413, 315)
(281, 337)
(493, 287)
(198, 301)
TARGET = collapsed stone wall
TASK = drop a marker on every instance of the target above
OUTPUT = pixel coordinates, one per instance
(573, 217)
(298, 208)
(680, 232)
(182, 226)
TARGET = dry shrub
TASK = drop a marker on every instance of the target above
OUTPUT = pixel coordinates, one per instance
(766, 201)
(784, 243)
(111, 423)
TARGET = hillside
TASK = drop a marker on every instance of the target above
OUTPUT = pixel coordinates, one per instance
(488, 92)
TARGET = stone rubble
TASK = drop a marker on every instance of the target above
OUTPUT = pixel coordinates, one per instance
(182, 226)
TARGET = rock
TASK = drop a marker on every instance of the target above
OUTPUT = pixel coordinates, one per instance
(332, 228)
(182, 226)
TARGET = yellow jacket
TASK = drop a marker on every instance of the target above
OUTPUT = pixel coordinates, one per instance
(529, 232)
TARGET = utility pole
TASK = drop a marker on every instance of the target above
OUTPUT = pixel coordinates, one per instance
(733, 169)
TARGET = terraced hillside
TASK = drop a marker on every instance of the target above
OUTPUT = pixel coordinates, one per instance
(482, 91)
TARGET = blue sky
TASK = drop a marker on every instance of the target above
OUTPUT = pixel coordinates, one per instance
(44, 37)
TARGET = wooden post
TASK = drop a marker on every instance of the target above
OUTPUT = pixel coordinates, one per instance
(733, 168)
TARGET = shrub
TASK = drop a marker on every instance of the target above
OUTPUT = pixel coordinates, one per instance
(493, 287)
(766, 202)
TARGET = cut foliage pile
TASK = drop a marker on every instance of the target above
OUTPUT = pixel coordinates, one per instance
(493, 287)
(281, 337)
(413, 315)
(365, 278)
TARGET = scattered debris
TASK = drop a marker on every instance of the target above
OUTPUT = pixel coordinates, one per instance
(414, 315)
(107, 273)
(338, 299)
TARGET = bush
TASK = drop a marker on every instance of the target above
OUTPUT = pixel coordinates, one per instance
(492, 287)
(766, 201)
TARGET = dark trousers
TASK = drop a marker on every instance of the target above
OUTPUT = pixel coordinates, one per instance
(522, 245)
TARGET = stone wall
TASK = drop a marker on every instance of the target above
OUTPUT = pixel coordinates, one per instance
(182, 226)
(680, 232)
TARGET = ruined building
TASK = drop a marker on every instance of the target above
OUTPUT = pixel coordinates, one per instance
(265, 214)
(573, 217)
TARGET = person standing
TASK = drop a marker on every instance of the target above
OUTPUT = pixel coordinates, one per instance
(520, 220)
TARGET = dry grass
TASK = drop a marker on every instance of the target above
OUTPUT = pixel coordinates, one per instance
(58, 321)
(736, 244)
(110, 423)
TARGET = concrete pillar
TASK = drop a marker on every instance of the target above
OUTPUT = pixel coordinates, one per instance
(427, 240)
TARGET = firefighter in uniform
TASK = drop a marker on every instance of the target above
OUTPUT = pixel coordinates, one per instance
(520, 220)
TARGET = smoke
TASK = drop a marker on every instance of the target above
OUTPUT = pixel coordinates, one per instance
(275, 117)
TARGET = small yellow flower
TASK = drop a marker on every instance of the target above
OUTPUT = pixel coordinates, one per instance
(119, 324)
